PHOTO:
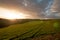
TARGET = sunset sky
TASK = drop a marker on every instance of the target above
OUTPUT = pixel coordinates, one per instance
(34, 8)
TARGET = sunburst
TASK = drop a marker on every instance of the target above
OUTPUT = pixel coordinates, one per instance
(12, 14)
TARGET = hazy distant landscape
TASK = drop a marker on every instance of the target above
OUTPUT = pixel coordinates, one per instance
(30, 29)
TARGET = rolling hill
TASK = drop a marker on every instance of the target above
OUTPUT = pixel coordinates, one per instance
(29, 30)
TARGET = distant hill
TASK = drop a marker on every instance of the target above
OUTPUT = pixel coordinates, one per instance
(6, 22)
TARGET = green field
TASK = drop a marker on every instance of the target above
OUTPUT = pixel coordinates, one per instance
(29, 30)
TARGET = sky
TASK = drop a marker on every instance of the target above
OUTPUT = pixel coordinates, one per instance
(36, 8)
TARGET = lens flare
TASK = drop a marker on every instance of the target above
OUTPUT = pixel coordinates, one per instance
(12, 14)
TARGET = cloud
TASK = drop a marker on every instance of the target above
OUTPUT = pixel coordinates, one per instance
(56, 6)
(37, 7)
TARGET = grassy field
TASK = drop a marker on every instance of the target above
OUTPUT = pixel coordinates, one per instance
(29, 30)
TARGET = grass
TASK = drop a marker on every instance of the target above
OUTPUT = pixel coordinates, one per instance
(29, 30)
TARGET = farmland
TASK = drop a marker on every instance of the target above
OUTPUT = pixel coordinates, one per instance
(29, 30)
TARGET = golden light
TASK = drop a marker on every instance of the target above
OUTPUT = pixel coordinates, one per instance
(12, 14)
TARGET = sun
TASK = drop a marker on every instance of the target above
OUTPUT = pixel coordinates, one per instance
(12, 14)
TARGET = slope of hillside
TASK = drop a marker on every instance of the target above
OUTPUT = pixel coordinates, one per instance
(29, 30)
